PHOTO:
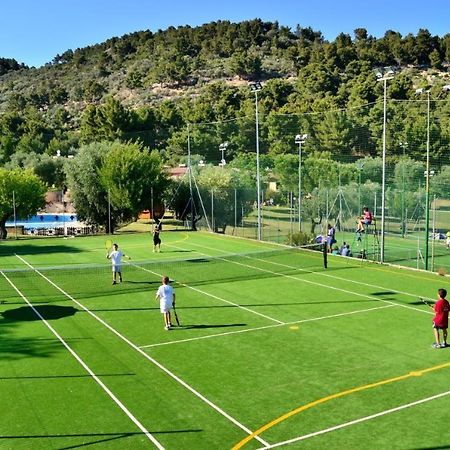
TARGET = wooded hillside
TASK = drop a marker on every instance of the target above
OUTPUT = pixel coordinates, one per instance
(147, 86)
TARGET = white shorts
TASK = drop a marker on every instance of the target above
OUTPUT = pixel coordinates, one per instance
(165, 306)
(116, 268)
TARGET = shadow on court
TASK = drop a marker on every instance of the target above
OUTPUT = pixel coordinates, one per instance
(420, 303)
(440, 447)
(383, 293)
(88, 439)
(57, 377)
(48, 312)
(17, 344)
(204, 326)
(30, 249)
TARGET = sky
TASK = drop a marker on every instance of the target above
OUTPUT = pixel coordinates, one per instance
(35, 31)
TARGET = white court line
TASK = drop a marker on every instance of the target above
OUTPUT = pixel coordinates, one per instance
(87, 368)
(180, 341)
(354, 422)
(341, 279)
(212, 295)
(321, 273)
(315, 282)
(145, 355)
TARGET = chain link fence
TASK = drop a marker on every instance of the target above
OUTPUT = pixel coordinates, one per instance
(338, 169)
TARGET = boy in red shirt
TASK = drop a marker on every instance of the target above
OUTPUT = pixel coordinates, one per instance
(440, 320)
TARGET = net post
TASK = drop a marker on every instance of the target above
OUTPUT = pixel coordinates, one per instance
(325, 255)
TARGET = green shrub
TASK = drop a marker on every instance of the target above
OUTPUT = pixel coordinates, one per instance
(300, 238)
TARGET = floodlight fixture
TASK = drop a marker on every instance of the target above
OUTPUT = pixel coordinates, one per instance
(300, 138)
(378, 73)
(256, 86)
(389, 71)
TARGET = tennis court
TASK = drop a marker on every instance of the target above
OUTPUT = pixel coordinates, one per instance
(273, 350)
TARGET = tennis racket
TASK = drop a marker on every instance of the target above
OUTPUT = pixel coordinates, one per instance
(176, 316)
(108, 244)
(426, 303)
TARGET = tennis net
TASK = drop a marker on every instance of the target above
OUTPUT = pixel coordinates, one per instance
(91, 278)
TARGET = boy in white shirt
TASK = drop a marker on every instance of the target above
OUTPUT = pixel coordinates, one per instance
(116, 261)
(166, 297)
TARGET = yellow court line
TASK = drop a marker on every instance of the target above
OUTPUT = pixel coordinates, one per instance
(186, 237)
(302, 408)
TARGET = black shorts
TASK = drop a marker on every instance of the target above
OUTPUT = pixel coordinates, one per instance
(156, 240)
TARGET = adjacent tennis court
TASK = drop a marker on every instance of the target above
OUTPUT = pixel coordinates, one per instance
(273, 349)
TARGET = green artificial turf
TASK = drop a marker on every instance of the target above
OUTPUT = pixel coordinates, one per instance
(338, 358)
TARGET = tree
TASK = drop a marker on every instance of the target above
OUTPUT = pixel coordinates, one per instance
(89, 196)
(118, 176)
(245, 64)
(333, 133)
(9, 65)
(224, 194)
(106, 122)
(133, 177)
(51, 171)
(229, 192)
(440, 184)
(435, 59)
(27, 190)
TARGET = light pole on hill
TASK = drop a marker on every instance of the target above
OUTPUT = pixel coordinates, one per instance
(384, 75)
(256, 87)
(403, 145)
(428, 173)
(359, 166)
(300, 139)
(222, 148)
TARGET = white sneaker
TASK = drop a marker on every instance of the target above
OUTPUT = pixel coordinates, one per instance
(167, 328)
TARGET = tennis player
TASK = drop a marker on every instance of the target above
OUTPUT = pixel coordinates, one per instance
(116, 261)
(157, 238)
(440, 320)
(166, 297)
(331, 237)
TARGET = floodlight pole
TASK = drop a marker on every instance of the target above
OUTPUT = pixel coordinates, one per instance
(109, 211)
(15, 215)
(300, 139)
(190, 175)
(255, 88)
(403, 145)
(383, 178)
(300, 186)
(427, 185)
(152, 211)
(222, 148)
(360, 167)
